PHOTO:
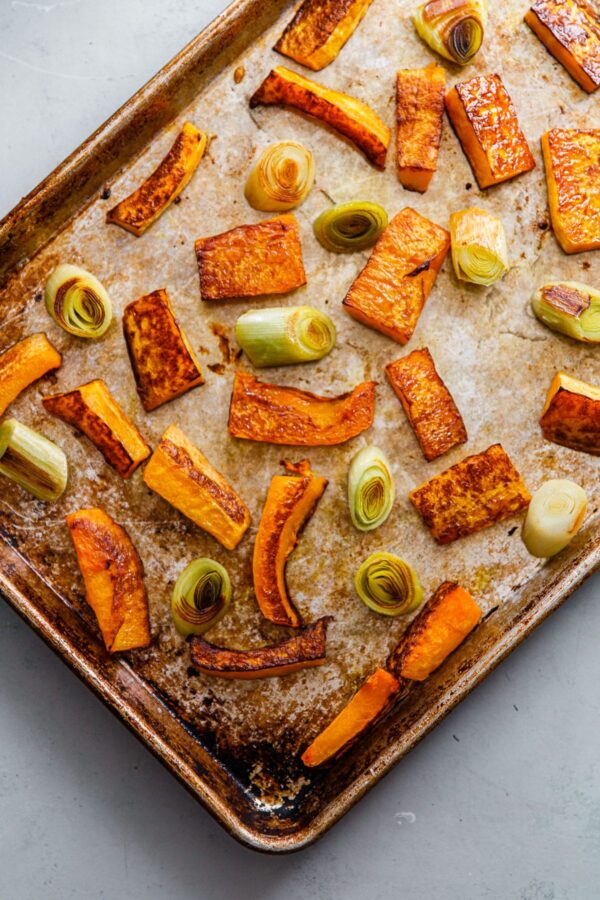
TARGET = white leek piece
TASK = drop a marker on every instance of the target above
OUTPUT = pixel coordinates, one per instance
(555, 515)
(282, 177)
(78, 302)
(479, 251)
(32, 461)
(284, 335)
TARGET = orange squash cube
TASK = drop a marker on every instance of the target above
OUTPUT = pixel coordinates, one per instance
(572, 160)
(24, 363)
(319, 30)
(474, 494)
(427, 402)
(390, 292)
(419, 116)
(486, 124)
(570, 30)
(571, 414)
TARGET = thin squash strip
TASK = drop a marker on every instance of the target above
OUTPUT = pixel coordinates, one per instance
(419, 116)
(319, 30)
(24, 363)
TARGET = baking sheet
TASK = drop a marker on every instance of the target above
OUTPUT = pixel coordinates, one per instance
(495, 357)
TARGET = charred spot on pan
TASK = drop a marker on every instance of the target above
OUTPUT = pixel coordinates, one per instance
(468, 186)
(105, 195)
(217, 368)
(38, 297)
(585, 264)
(543, 225)
(192, 672)
(177, 200)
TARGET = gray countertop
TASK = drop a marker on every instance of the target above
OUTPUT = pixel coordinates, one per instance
(501, 801)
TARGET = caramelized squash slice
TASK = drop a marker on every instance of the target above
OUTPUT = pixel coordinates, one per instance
(427, 402)
(486, 124)
(291, 501)
(303, 651)
(163, 362)
(571, 415)
(474, 494)
(24, 363)
(319, 30)
(251, 260)
(141, 209)
(273, 414)
(570, 30)
(390, 292)
(441, 626)
(183, 476)
(348, 116)
(368, 705)
(572, 160)
(114, 579)
(419, 116)
(93, 410)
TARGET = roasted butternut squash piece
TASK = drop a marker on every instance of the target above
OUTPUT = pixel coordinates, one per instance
(571, 414)
(427, 402)
(273, 414)
(474, 494)
(572, 160)
(390, 292)
(441, 626)
(305, 650)
(251, 260)
(419, 116)
(114, 579)
(183, 476)
(141, 209)
(291, 501)
(319, 30)
(93, 410)
(163, 362)
(24, 363)
(345, 114)
(486, 124)
(369, 704)
(570, 30)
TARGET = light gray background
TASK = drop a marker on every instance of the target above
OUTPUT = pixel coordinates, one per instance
(501, 801)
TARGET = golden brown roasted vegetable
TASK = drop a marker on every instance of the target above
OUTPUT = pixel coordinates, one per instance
(368, 705)
(427, 402)
(141, 209)
(304, 650)
(571, 414)
(114, 579)
(319, 30)
(474, 494)
(251, 260)
(390, 292)
(441, 626)
(273, 414)
(24, 363)
(348, 116)
(164, 364)
(572, 160)
(419, 116)
(570, 30)
(291, 501)
(486, 124)
(183, 476)
(93, 410)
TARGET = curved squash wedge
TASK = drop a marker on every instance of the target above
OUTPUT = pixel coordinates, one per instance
(441, 626)
(113, 576)
(368, 705)
(291, 501)
(348, 116)
(304, 650)
(141, 209)
(319, 30)
(24, 363)
(93, 410)
(283, 415)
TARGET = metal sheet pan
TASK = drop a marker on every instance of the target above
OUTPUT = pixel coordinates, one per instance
(235, 745)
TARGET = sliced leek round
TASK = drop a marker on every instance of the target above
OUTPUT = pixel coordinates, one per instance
(201, 596)
(571, 308)
(282, 336)
(282, 177)
(348, 227)
(455, 29)
(78, 302)
(554, 517)
(479, 251)
(32, 461)
(371, 489)
(388, 585)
